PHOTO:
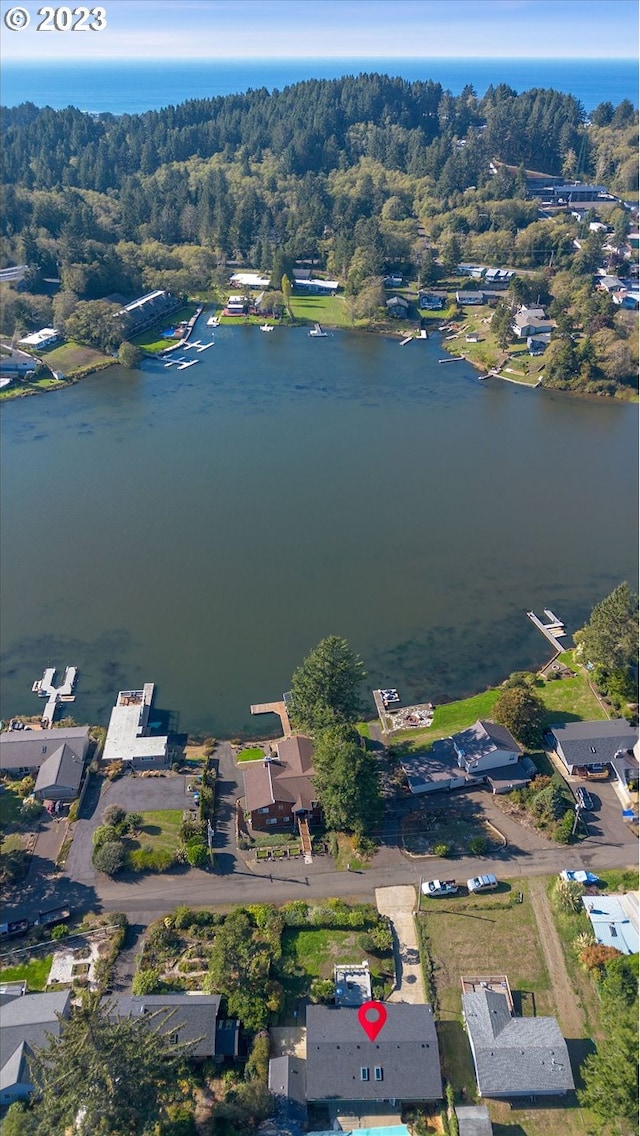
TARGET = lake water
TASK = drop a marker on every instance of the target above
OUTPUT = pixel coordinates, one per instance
(203, 529)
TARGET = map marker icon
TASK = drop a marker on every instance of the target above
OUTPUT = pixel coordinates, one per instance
(372, 1016)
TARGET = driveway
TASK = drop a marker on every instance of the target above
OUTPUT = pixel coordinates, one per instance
(398, 904)
(136, 795)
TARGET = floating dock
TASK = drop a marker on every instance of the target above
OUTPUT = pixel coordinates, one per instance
(552, 631)
(54, 694)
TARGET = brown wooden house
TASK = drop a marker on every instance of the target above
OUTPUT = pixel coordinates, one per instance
(278, 792)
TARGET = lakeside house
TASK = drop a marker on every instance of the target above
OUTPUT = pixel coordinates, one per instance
(397, 307)
(129, 738)
(430, 302)
(589, 745)
(236, 306)
(56, 758)
(469, 298)
(485, 745)
(528, 322)
(145, 311)
(38, 340)
(279, 790)
(514, 1057)
(485, 752)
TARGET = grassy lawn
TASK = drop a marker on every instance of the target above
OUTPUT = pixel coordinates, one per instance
(161, 829)
(309, 954)
(71, 356)
(10, 809)
(251, 753)
(450, 718)
(568, 699)
(346, 856)
(329, 310)
(35, 973)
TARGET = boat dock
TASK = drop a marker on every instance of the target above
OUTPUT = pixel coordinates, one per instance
(552, 631)
(407, 339)
(54, 694)
(278, 708)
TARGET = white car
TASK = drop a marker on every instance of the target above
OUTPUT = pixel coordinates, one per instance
(482, 883)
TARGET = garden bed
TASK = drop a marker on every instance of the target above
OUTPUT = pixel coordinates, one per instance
(458, 826)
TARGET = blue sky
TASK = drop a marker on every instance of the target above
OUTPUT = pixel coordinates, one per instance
(367, 29)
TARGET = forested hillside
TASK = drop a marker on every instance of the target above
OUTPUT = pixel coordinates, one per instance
(357, 174)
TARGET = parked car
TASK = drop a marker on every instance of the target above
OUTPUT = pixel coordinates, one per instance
(483, 883)
(19, 927)
(579, 876)
(584, 798)
(439, 887)
(196, 797)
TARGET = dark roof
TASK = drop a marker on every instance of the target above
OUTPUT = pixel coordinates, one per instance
(287, 1078)
(508, 777)
(63, 770)
(514, 1055)
(483, 738)
(289, 779)
(32, 747)
(192, 1016)
(26, 1020)
(406, 1050)
(473, 1120)
(593, 743)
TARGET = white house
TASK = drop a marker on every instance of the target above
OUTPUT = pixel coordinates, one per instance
(128, 737)
(485, 745)
(46, 337)
(531, 321)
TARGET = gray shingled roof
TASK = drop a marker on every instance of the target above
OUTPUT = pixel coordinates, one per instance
(483, 738)
(514, 1055)
(192, 1016)
(63, 770)
(32, 747)
(406, 1050)
(577, 741)
(27, 1020)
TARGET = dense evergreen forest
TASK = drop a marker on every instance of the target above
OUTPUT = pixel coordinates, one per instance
(355, 175)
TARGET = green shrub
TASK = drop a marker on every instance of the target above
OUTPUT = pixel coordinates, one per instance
(60, 931)
(382, 939)
(109, 858)
(182, 917)
(564, 830)
(132, 822)
(296, 913)
(478, 845)
(150, 859)
(191, 828)
(113, 815)
(568, 895)
(196, 852)
(257, 1066)
(442, 849)
(72, 815)
(31, 809)
(146, 982)
(105, 834)
(322, 990)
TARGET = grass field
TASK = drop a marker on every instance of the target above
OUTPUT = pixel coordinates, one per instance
(569, 699)
(450, 718)
(10, 807)
(35, 973)
(161, 829)
(329, 310)
(72, 356)
(309, 954)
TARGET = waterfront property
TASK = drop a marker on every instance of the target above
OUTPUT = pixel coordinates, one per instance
(55, 757)
(278, 791)
(531, 321)
(514, 1057)
(589, 745)
(397, 307)
(485, 745)
(129, 738)
(38, 340)
(55, 694)
(146, 310)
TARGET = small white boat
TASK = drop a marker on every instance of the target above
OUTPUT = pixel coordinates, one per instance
(213, 321)
(266, 327)
(317, 332)
(188, 363)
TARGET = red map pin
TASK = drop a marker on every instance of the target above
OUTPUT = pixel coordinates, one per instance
(372, 1016)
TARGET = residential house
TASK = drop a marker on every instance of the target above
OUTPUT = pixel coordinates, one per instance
(279, 791)
(13, 275)
(607, 283)
(434, 770)
(394, 280)
(484, 746)
(129, 738)
(469, 298)
(17, 363)
(531, 321)
(514, 1057)
(498, 277)
(249, 280)
(287, 1083)
(25, 1023)
(473, 271)
(347, 1070)
(582, 745)
(237, 306)
(430, 302)
(38, 340)
(398, 307)
(60, 753)
(190, 1018)
(537, 344)
(570, 194)
(313, 286)
(614, 919)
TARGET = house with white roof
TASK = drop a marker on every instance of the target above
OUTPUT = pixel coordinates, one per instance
(129, 738)
(614, 919)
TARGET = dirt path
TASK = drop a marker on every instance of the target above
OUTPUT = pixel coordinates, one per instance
(569, 1012)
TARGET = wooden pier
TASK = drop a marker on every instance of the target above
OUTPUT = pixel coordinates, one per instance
(553, 631)
(278, 708)
(44, 688)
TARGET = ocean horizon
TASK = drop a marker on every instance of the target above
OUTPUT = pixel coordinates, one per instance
(137, 85)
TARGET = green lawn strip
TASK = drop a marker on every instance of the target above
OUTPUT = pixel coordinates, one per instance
(152, 340)
(161, 828)
(569, 926)
(329, 310)
(620, 879)
(450, 718)
(346, 856)
(35, 973)
(251, 753)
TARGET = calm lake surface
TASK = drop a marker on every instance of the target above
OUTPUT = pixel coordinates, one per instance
(203, 529)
